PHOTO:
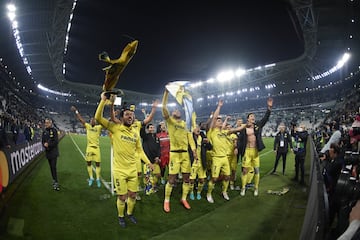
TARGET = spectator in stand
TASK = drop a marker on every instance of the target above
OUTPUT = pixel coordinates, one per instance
(27, 131)
(354, 134)
(14, 130)
(334, 138)
(4, 143)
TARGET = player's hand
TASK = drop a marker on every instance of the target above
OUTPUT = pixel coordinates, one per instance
(270, 102)
(195, 154)
(103, 97)
(112, 98)
(73, 108)
(151, 166)
(221, 102)
(155, 103)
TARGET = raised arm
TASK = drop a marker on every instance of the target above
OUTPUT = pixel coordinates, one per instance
(151, 115)
(165, 111)
(225, 122)
(78, 115)
(216, 114)
(237, 129)
(112, 111)
(99, 112)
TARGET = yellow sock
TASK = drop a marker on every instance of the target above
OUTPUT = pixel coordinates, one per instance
(200, 187)
(211, 186)
(185, 190)
(250, 177)
(244, 179)
(191, 187)
(256, 180)
(168, 190)
(139, 180)
(225, 185)
(98, 171)
(120, 207)
(89, 169)
(130, 205)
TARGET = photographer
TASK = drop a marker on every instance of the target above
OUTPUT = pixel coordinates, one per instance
(300, 136)
(354, 134)
(335, 136)
(332, 163)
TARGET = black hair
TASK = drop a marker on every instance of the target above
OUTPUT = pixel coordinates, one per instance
(126, 106)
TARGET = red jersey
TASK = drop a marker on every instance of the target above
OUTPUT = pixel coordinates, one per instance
(164, 148)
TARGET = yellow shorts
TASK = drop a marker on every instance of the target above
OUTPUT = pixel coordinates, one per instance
(93, 154)
(197, 170)
(125, 181)
(179, 161)
(251, 158)
(220, 164)
(233, 162)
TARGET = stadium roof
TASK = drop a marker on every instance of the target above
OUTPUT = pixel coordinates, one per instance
(324, 30)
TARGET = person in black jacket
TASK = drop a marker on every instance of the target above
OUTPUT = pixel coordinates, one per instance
(151, 146)
(332, 162)
(300, 136)
(50, 142)
(282, 143)
(253, 144)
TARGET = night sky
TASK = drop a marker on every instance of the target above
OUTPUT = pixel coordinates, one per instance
(179, 40)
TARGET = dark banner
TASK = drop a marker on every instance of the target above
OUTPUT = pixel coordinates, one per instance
(15, 160)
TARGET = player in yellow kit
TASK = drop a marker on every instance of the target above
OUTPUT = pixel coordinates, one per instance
(126, 142)
(137, 125)
(220, 162)
(93, 132)
(180, 139)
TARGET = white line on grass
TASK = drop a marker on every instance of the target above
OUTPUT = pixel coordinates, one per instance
(93, 168)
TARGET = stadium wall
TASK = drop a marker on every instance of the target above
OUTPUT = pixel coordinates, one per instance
(15, 160)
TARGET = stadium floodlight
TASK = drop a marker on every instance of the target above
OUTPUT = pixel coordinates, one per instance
(270, 65)
(210, 80)
(340, 64)
(239, 72)
(225, 76)
(53, 91)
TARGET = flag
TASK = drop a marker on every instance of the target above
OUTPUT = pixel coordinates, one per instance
(178, 90)
(113, 71)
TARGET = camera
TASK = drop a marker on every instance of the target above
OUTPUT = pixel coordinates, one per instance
(348, 186)
(351, 158)
(347, 190)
